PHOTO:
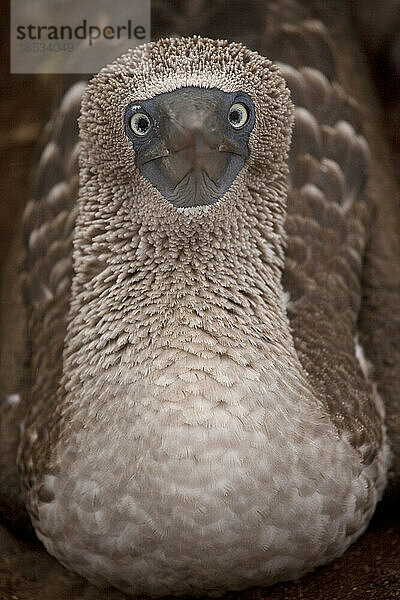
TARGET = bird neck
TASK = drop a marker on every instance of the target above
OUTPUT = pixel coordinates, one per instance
(140, 283)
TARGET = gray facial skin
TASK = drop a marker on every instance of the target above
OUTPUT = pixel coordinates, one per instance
(190, 143)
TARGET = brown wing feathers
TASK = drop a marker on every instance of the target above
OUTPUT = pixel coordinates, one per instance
(327, 225)
(46, 273)
(369, 259)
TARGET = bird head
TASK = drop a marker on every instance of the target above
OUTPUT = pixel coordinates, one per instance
(182, 124)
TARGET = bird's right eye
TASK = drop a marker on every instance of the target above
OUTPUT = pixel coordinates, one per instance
(238, 115)
(140, 124)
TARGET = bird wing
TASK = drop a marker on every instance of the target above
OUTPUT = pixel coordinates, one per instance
(342, 268)
(379, 319)
(328, 223)
(35, 305)
(48, 223)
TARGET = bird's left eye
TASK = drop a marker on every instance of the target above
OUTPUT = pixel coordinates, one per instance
(140, 124)
(238, 115)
